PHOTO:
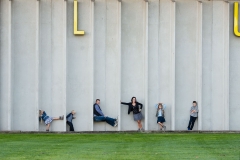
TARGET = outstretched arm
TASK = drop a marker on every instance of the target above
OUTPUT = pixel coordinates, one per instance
(125, 103)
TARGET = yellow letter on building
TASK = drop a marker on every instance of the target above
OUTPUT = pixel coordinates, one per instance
(236, 32)
(76, 32)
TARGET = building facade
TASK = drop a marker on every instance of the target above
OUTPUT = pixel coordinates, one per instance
(170, 51)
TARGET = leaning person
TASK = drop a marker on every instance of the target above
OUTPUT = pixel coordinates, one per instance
(69, 120)
(136, 108)
(47, 119)
(98, 115)
(160, 114)
(193, 115)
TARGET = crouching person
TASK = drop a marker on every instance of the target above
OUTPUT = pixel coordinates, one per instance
(69, 120)
(98, 115)
(47, 119)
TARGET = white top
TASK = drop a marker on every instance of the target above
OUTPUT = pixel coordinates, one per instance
(160, 111)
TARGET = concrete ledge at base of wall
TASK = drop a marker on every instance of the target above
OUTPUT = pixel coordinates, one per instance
(114, 132)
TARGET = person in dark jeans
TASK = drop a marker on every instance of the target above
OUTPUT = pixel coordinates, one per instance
(98, 115)
(69, 120)
(193, 115)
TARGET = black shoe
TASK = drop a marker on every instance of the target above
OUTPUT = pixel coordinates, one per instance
(61, 117)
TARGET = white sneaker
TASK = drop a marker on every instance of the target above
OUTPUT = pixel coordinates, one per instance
(116, 123)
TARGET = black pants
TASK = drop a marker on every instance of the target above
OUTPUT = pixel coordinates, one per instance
(71, 126)
(191, 122)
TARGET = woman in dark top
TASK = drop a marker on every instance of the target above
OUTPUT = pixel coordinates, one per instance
(136, 107)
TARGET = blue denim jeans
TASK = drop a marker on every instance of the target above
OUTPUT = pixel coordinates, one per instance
(109, 120)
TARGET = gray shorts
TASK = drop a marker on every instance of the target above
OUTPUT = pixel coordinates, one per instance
(137, 116)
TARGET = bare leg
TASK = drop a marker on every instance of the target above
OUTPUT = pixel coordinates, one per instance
(139, 124)
(48, 126)
(58, 118)
(161, 125)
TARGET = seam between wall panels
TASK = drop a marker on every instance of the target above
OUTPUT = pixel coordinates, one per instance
(105, 57)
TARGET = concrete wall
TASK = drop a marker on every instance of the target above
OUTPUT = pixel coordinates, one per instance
(158, 51)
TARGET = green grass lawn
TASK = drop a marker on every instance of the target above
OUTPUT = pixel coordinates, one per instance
(120, 146)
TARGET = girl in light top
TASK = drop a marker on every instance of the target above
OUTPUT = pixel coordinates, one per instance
(47, 119)
(160, 115)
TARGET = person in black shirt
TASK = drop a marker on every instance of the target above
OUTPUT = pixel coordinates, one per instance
(136, 108)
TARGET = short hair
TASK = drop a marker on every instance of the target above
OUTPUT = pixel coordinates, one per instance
(194, 102)
(97, 100)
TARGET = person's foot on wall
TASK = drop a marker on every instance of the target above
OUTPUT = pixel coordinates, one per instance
(117, 119)
(61, 117)
(164, 128)
(116, 123)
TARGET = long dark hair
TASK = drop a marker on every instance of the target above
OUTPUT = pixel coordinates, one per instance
(135, 99)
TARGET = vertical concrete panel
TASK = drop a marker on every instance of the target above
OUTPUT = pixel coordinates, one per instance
(186, 44)
(80, 66)
(166, 56)
(112, 61)
(106, 60)
(206, 66)
(153, 57)
(132, 78)
(24, 65)
(119, 57)
(145, 52)
(45, 46)
(199, 63)
(5, 65)
(160, 54)
(37, 78)
(234, 68)
(173, 65)
(58, 65)
(100, 58)
(226, 66)
(219, 41)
